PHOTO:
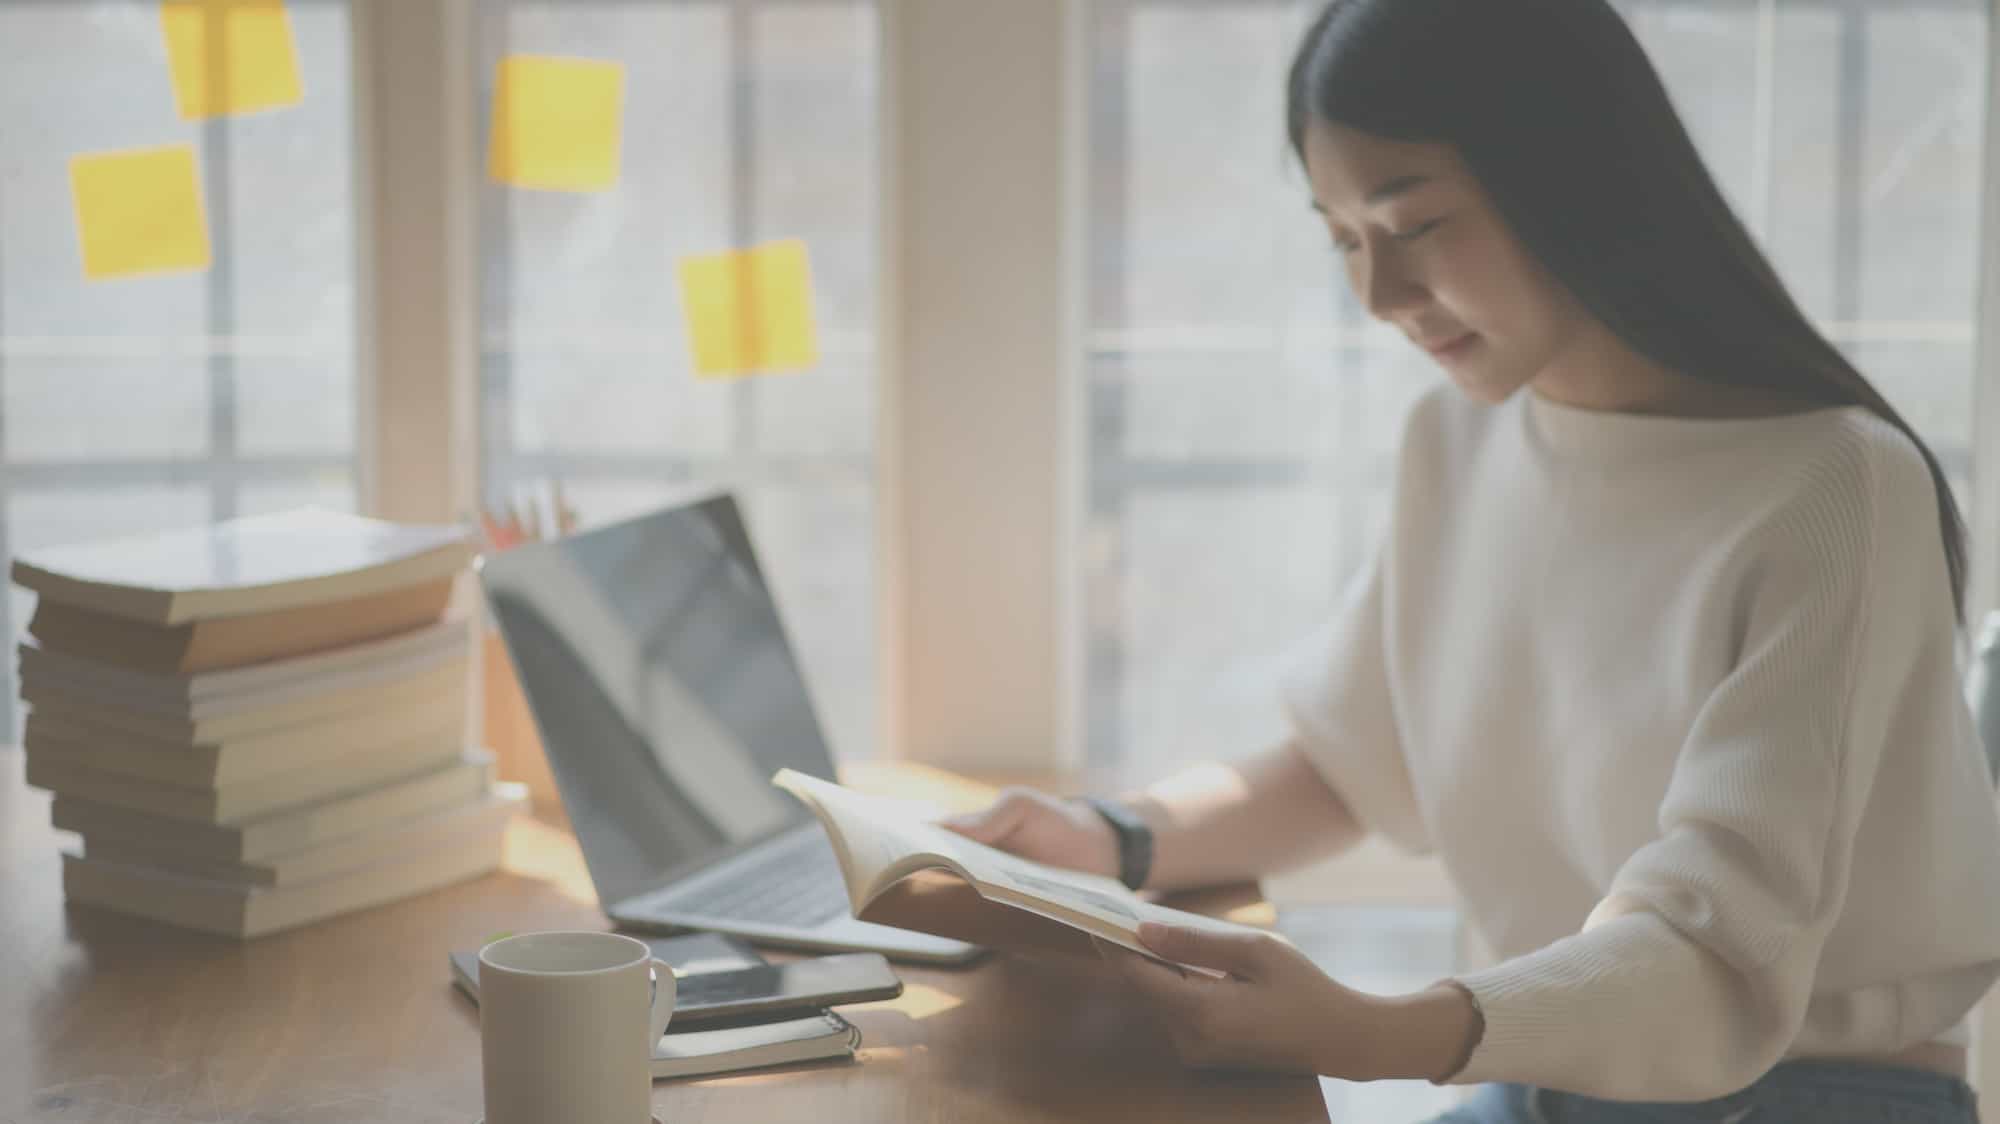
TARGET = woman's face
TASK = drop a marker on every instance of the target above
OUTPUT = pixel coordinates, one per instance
(1427, 252)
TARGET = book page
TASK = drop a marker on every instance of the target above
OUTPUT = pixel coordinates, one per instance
(871, 835)
(879, 838)
(1103, 899)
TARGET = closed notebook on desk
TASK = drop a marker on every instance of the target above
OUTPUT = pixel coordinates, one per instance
(816, 1037)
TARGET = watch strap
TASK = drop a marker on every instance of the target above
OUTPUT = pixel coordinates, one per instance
(1135, 840)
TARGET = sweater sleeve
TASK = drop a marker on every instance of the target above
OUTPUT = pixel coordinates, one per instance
(1691, 977)
(1336, 692)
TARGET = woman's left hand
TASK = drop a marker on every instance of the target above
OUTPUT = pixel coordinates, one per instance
(1274, 1011)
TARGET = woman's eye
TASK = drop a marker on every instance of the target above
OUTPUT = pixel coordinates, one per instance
(1350, 245)
(1416, 232)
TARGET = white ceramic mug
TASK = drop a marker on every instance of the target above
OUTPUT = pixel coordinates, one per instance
(567, 1024)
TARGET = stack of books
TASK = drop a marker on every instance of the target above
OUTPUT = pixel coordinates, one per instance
(258, 724)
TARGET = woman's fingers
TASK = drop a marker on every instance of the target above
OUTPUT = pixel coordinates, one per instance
(1242, 955)
(994, 823)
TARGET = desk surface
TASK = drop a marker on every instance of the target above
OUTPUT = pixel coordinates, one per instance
(107, 1019)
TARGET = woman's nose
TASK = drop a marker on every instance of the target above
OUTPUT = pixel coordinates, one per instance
(1387, 291)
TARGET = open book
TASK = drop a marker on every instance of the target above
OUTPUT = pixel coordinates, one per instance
(904, 872)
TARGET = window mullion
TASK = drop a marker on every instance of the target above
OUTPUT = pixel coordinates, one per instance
(978, 380)
(416, 151)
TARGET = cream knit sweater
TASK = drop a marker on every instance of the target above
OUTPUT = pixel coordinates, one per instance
(1677, 703)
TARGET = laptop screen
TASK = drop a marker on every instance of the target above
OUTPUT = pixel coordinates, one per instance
(653, 659)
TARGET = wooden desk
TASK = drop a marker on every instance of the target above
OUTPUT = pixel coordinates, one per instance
(108, 1019)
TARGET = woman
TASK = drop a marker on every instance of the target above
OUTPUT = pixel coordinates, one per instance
(1658, 654)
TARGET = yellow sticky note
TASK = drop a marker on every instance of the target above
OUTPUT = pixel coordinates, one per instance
(139, 211)
(750, 310)
(556, 123)
(230, 56)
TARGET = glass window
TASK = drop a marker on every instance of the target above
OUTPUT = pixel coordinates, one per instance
(146, 402)
(1243, 410)
(744, 123)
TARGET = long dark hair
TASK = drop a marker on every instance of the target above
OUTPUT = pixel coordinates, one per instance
(1557, 111)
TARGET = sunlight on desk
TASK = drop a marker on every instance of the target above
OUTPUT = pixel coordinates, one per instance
(1262, 915)
(921, 784)
(921, 1001)
(539, 850)
(890, 1055)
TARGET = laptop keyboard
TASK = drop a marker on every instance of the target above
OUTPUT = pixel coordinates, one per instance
(796, 884)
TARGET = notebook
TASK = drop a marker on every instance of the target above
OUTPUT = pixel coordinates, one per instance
(692, 1053)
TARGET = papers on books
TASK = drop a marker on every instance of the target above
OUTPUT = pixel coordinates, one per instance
(260, 564)
(885, 856)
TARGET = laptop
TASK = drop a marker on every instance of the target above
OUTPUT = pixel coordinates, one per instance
(666, 695)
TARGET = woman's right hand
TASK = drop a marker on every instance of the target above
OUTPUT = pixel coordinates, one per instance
(1035, 825)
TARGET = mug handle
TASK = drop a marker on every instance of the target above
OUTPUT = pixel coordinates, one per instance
(664, 989)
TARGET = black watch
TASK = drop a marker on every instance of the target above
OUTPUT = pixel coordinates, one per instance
(1135, 840)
